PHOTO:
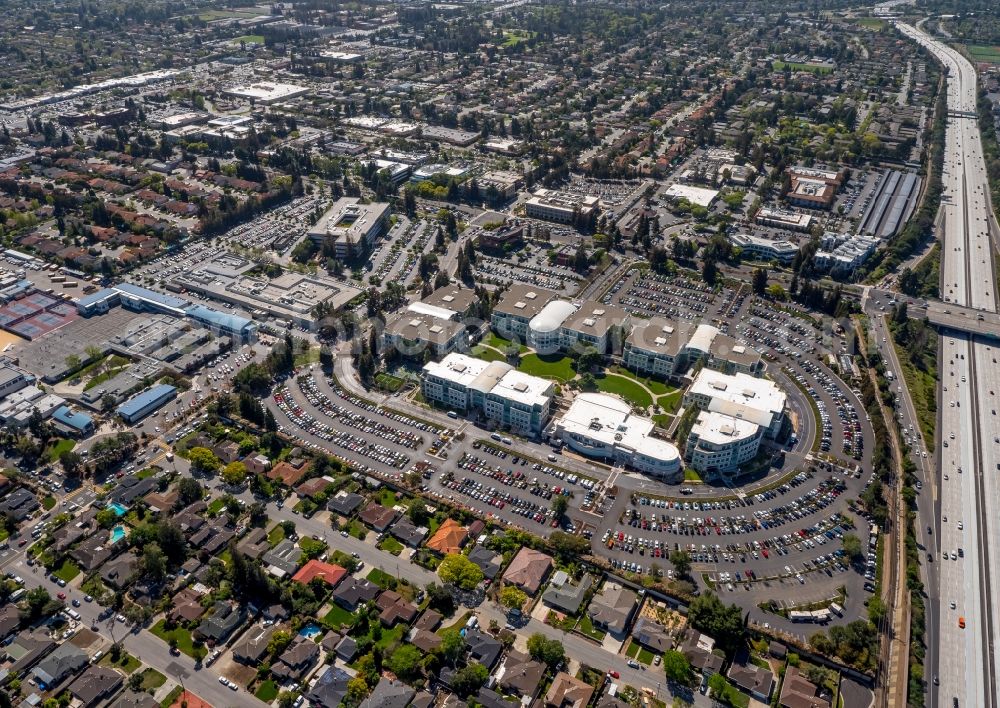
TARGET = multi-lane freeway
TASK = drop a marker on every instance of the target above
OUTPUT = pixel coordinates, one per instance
(963, 610)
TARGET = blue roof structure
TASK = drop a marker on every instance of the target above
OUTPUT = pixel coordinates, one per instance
(151, 296)
(73, 419)
(135, 405)
(104, 294)
(222, 320)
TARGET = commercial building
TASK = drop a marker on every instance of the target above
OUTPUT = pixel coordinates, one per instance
(266, 93)
(138, 407)
(223, 323)
(842, 253)
(764, 249)
(519, 305)
(562, 207)
(545, 328)
(784, 219)
(352, 226)
(656, 346)
(602, 426)
(720, 444)
(412, 333)
(741, 396)
(814, 188)
(74, 421)
(495, 389)
(699, 196)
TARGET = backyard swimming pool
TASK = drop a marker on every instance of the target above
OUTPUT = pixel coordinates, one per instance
(117, 533)
(118, 509)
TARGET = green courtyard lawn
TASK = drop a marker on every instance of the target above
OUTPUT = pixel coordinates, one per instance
(550, 366)
(388, 382)
(487, 354)
(58, 447)
(663, 420)
(497, 342)
(628, 389)
(338, 617)
(267, 691)
(656, 387)
(67, 571)
(670, 401)
(184, 641)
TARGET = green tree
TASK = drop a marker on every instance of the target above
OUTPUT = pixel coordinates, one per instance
(511, 597)
(759, 280)
(708, 614)
(106, 518)
(357, 689)
(189, 491)
(560, 503)
(203, 460)
(452, 645)
(154, 562)
(677, 667)
(852, 547)
(235, 473)
(417, 511)
(405, 661)
(279, 642)
(569, 547)
(469, 680)
(681, 561)
(589, 360)
(456, 569)
(548, 651)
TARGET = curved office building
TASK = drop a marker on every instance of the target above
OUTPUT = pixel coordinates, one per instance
(545, 328)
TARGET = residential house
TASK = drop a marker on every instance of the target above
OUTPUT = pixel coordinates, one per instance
(252, 647)
(328, 572)
(483, 648)
(520, 674)
(798, 692)
(354, 592)
(394, 608)
(449, 538)
(487, 697)
(130, 488)
(288, 472)
(752, 679)
(92, 552)
(254, 544)
(296, 660)
(528, 570)
(409, 533)
(345, 503)
(221, 623)
(191, 518)
(65, 660)
(227, 451)
(10, 620)
(612, 608)
(95, 684)
(118, 572)
(131, 699)
(311, 487)
(186, 606)
(378, 517)
(213, 537)
(347, 649)
(699, 650)
(330, 689)
(488, 561)
(651, 634)
(423, 635)
(257, 464)
(162, 502)
(568, 692)
(19, 504)
(565, 596)
(389, 694)
(283, 559)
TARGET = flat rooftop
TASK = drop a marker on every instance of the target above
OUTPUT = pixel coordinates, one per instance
(267, 91)
(659, 335)
(349, 221)
(740, 395)
(524, 300)
(595, 318)
(609, 420)
(720, 429)
(523, 388)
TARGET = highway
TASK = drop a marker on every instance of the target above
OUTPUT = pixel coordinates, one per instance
(963, 661)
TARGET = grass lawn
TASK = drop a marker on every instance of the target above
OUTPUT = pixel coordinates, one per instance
(645, 656)
(628, 389)
(457, 624)
(872, 22)
(380, 578)
(126, 662)
(732, 696)
(356, 529)
(391, 636)
(171, 697)
(548, 366)
(252, 39)
(796, 66)
(67, 571)
(984, 53)
(388, 382)
(657, 388)
(663, 420)
(391, 545)
(338, 617)
(497, 342)
(691, 475)
(311, 547)
(62, 445)
(512, 38)
(670, 402)
(48, 502)
(152, 679)
(633, 649)
(216, 506)
(267, 691)
(387, 498)
(487, 354)
(146, 473)
(587, 627)
(184, 641)
(275, 535)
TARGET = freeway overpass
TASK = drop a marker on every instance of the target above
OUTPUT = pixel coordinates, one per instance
(958, 318)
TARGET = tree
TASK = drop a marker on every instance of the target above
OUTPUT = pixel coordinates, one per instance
(469, 680)
(452, 645)
(106, 518)
(135, 681)
(548, 651)
(589, 360)
(852, 547)
(235, 473)
(154, 562)
(279, 642)
(569, 546)
(203, 460)
(759, 280)
(709, 271)
(512, 597)
(417, 512)
(73, 362)
(405, 661)
(707, 614)
(357, 689)
(581, 263)
(37, 602)
(438, 598)
(188, 491)
(71, 462)
(560, 503)
(456, 569)
(681, 561)
(677, 667)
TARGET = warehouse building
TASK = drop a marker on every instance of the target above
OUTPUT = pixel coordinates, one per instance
(603, 427)
(141, 405)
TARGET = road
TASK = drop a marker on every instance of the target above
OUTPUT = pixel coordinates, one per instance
(964, 661)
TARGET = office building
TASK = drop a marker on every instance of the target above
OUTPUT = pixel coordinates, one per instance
(656, 347)
(784, 219)
(721, 444)
(756, 400)
(759, 248)
(545, 328)
(814, 188)
(603, 427)
(594, 324)
(562, 207)
(352, 226)
(141, 405)
(412, 333)
(503, 395)
(519, 305)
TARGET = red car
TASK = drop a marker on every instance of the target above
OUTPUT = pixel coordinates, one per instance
(61, 596)
(614, 674)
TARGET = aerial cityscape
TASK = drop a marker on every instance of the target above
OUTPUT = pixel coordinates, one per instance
(593, 354)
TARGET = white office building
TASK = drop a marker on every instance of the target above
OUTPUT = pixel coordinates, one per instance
(740, 396)
(562, 207)
(351, 226)
(502, 394)
(721, 444)
(545, 328)
(603, 427)
(520, 304)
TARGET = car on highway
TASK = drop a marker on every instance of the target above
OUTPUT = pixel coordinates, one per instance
(961, 622)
